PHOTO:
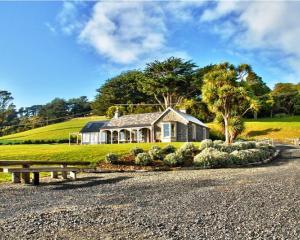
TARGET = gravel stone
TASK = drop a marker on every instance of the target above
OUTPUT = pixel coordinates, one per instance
(243, 203)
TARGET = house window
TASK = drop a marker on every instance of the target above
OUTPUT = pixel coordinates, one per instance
(166, 128)
(169, 130)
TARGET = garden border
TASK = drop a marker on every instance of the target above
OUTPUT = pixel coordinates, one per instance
(275, 155)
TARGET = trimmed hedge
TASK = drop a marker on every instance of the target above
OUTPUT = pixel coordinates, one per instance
(136, 150)
(168, 149)
(111, 158)
(212, 158)
(156, 153)
(143, 159)
(173, 159)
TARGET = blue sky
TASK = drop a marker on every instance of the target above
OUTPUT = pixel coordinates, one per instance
(68, 49)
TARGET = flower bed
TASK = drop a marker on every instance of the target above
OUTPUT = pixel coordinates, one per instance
(210, 154)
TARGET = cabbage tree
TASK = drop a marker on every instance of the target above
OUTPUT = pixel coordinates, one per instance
(224, 95)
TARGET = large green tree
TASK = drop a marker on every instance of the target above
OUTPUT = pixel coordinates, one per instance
(122, 89)
(8, 114)
(224, 95)
(169, 81)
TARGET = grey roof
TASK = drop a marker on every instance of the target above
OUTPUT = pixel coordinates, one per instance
(190, 118)
(93, 126)
(134, 120)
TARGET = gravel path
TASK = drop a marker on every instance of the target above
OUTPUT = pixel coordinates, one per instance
(245, 203)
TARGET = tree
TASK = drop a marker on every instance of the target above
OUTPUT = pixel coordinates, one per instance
(287, 98)
(122, 89)
(224, 95)
(8, 114)
(169, 81)
(55, 111)
(79, 106)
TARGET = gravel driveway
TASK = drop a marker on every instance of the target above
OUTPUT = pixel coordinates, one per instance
(244, 203)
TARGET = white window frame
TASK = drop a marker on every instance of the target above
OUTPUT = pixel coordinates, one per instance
(171, 133)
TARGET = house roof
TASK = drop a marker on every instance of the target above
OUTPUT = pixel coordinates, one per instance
(93, 126)
(185, 116)
(136, 120)
(133, 120)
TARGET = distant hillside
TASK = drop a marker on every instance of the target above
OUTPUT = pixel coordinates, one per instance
(57, 131)
(276, 128)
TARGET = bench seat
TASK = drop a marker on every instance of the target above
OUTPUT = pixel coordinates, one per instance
(16, 173)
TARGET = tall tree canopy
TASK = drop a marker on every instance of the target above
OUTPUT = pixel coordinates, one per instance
(169, 81)
(224, 95)
(122, 89)
(8, 115)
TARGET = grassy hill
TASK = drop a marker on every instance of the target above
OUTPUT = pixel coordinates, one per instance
(276, 128)
(58, 131)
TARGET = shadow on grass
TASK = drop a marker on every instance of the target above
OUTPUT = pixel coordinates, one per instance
(84, 182)
(262, 132)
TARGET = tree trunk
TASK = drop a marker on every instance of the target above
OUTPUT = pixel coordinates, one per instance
(255, 115)
(227, 137)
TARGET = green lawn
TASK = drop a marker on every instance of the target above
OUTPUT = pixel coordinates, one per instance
(276, 128)
(56, 131)
(64, 152)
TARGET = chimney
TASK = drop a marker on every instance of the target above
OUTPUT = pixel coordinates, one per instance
(117, 114)
(183, 110)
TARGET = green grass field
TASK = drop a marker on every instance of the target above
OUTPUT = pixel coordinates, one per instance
(64, 152)
(276, 128)
(56, 131)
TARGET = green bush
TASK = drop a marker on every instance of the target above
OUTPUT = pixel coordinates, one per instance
(188, 146)
(143, 159)
(156, 153)
(136, 150)
(213, 158)
(168, 149)
(207, 143)
(250, 156)
(241, 145)
(186, 152)
(173, 159)
(217, 142)
(111, 158)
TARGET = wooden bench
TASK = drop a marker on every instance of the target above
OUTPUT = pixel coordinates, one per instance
(23, 173)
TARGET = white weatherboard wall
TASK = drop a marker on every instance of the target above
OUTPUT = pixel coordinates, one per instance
(90, 138)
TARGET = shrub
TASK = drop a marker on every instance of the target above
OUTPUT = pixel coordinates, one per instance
(169, 149)
(136, 150)
(173, 159)
(212, 158)
(240, 145)
(206, 144)
(186, 152)
(111, 158)
(217, 142)
(249, 156)
(156, 153)
(143, 159)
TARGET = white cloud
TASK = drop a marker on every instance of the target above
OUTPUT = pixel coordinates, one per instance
(124, 32)
(263, 26)
(69, 17)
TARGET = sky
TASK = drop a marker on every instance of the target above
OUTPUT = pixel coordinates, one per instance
(69, 49)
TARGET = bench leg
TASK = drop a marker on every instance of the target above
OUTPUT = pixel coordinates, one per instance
(64, 175)
(54, 175)
(16, 177)
(73, 175)
(36, 178)
(26, 178)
